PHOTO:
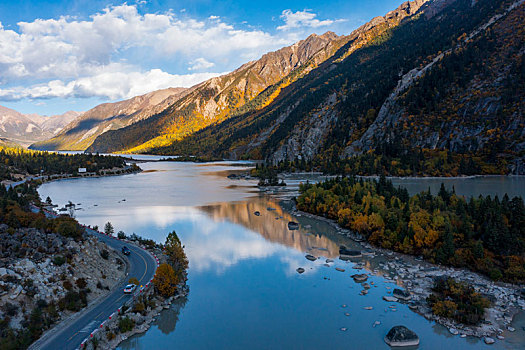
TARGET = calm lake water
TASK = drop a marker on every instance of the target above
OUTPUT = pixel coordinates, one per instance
(244, 288)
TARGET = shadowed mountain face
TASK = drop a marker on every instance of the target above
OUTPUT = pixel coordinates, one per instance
(219, 98)
(79, 134)
(444, 75)
(24, 129)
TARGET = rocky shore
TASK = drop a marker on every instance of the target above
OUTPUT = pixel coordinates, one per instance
(417, 277)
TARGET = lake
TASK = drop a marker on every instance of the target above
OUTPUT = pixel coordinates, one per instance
(244, 288)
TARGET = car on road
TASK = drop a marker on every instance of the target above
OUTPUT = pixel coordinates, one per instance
(129, 288)
(126, 251)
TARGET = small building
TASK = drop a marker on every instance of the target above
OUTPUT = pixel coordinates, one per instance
(82, 170)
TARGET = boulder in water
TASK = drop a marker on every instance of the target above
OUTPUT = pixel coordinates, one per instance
(401, 336)
(292, 225)
(402, 294)
(310, 257)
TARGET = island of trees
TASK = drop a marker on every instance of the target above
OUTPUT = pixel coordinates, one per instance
(484, 234)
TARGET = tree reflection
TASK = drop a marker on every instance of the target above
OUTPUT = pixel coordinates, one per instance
(169, 317)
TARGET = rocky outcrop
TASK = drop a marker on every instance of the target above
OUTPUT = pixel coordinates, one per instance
(38, 267)
(480, 104)
(401, 336)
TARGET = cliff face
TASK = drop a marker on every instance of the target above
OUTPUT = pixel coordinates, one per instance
(80, 134)
(466, 99)
(219, 98)
(444, 74)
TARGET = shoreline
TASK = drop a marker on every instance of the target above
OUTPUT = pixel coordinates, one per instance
(417, 277)
(106, 337)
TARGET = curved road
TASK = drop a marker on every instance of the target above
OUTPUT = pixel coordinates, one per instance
(68, 335)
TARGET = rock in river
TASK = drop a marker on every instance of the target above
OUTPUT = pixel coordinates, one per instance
(360, 278)
(389, 299)
(292, 225)
(310, 257)
(402, 294)
(401, 336)
(346, 254)
(300, 270)
(489, 340)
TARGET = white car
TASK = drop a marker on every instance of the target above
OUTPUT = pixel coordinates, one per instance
(129, 288)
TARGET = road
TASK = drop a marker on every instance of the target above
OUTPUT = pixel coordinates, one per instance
(70, 334)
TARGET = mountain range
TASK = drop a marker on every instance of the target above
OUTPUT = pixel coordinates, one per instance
(25, 129)
(443, 75)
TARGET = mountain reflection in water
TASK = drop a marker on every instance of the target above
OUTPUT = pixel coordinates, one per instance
(274, 229)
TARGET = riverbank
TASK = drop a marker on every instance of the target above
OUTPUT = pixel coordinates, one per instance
(417, 277)
(23, 178)
(138, 315)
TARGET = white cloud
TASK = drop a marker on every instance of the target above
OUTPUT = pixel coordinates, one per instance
(300, 19)
(200, 64)
(100, 55)
(69, 48)
(108, 83)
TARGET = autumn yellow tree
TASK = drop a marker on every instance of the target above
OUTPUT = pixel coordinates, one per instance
(165, 280)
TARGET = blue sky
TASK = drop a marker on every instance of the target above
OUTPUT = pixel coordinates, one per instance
(72, 55)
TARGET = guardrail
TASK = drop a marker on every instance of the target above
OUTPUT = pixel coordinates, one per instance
(129, 302)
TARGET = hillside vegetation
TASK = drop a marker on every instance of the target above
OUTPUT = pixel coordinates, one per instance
(397, 95)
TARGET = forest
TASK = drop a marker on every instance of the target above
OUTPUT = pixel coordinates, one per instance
(483, 234)
(390, 159)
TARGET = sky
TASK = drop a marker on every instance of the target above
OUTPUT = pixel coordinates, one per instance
(61, 55)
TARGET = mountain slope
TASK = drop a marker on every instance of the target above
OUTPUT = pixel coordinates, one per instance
(449, 76)
(216, 99)
(25, 129)
(79, 134)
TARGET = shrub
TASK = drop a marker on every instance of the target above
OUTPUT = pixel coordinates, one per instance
(139, 308)
(121, 235)
(134, 281)
(458, 301)
(125, 324)
(73, 301)
(67, 227)
(104, 254)
(10, 309)
(110, 336)
(81, 283)
(59, 260)
(67, 285)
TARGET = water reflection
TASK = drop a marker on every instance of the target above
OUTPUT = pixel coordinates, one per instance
(165, 323)
(244, 288)
(273, 225)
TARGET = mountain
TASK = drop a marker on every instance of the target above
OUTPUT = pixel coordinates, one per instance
(217, 99)
(25, 129)
(79, 134)
(431, 79)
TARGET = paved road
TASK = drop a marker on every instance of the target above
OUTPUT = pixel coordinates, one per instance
(142, 265)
